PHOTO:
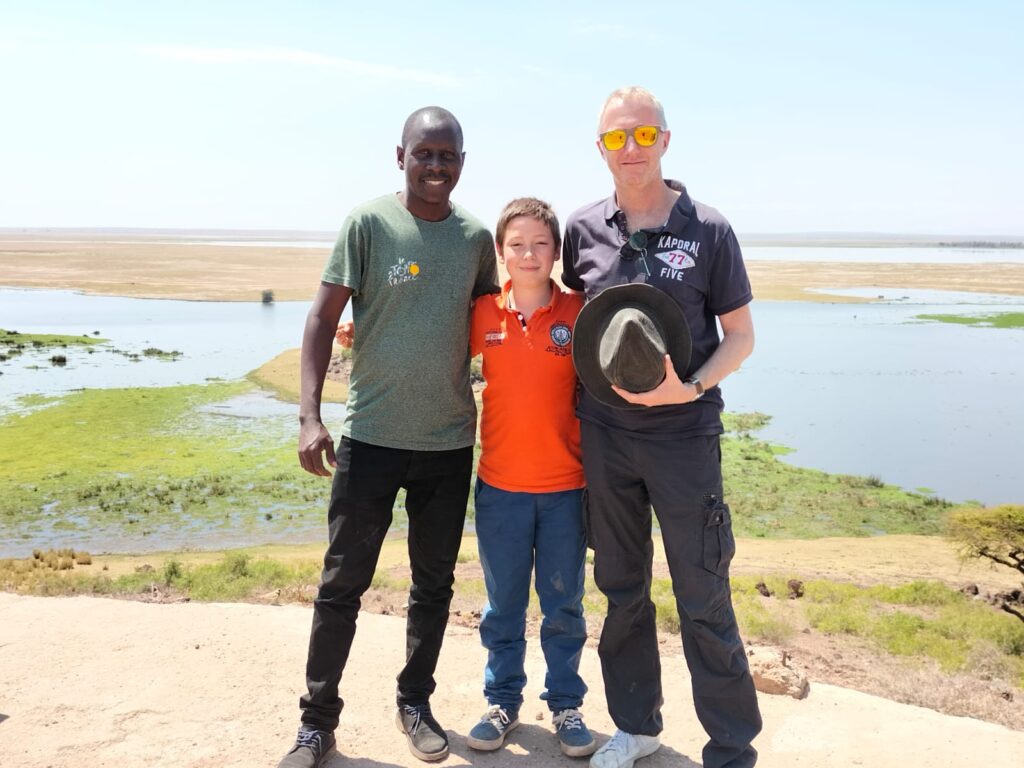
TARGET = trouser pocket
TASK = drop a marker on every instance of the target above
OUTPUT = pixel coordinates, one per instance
(719, 543)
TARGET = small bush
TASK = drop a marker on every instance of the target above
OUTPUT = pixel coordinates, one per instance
(932, 593)
(237, 564)
(757, 621)
(840, 618)
(173, 571)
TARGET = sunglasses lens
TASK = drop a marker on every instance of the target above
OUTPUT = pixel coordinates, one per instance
(638, 240)
(646, 135)
(614, 140)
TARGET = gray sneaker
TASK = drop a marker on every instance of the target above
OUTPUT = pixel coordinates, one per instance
(489, 734)
(427, 739)
(311, 749)
(574, 737)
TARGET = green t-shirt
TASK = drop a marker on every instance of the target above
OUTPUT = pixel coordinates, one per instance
(412, 283)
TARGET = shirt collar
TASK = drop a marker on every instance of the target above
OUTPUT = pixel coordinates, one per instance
(556, 295)
(678, 217)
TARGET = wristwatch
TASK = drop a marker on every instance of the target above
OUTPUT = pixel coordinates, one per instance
(694, 382)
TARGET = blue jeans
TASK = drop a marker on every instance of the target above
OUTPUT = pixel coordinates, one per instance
(515, 532)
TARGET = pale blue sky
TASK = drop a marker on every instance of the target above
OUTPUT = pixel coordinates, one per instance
(901, 117)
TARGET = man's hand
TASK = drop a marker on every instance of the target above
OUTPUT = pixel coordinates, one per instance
(314, 442)
(345, 334)
(671, 391)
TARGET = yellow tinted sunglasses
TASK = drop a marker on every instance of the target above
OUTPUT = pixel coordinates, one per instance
(643, 135)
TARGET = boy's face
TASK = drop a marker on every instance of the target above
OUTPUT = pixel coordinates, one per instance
(528, 252)
(432, 160)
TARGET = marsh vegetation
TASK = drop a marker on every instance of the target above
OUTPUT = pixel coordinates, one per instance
(991, 320)
(152, 468)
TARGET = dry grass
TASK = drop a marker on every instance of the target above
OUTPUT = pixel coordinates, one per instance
(864, 561)
(788, 280)
(231, 273)
(868, 561)
(281, 376)
(163, 270)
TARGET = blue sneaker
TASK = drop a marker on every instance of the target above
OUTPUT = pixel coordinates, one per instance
(489, 734)
(574, 737)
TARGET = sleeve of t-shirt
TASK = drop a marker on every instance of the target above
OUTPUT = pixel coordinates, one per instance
(487, 272)
(729, 286)
(570, 279)
(347, 264)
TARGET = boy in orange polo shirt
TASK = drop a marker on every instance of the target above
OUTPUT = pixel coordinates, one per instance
(530, 481)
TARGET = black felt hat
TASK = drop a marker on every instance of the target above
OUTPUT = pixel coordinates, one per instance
(622, 336)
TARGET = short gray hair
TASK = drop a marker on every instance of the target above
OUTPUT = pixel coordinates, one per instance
(630, 93)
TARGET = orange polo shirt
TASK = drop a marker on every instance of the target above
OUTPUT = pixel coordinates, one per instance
(529, 432)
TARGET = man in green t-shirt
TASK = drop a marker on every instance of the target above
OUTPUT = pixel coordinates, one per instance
(411, 263)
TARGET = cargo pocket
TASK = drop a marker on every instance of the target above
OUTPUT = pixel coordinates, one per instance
(719, 544)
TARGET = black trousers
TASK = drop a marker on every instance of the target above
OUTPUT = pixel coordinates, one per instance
(362, 497)
(682, 479)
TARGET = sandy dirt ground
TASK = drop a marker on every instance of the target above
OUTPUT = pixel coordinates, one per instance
(212, 272)
(895, 559)
(97, 682)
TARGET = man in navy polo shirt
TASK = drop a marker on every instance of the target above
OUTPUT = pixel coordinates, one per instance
(665, 453)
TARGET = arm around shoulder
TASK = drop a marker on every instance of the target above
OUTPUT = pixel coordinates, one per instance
(570, 279)
(487, 271)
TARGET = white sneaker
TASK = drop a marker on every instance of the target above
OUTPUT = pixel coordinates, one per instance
(623, 749)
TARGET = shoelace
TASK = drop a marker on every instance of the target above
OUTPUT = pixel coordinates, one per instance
(497, 717)
(568, 719)
(619, 742)
(311, 740)
(416, 712)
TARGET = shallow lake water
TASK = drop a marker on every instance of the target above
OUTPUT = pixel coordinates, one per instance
(218, 340)
(854, 388)
(867, 389)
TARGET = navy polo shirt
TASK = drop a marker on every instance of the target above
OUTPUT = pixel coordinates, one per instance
(696, 260)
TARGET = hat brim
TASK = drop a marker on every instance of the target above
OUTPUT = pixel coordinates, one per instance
(585, 343)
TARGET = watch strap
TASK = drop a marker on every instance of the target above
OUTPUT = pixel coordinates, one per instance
(694, 382)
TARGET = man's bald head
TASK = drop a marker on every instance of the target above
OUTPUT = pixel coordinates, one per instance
(430, 118)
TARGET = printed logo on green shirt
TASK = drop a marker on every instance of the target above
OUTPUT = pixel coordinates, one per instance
(403, 272)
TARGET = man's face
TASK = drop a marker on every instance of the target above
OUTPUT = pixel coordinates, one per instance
(633, 165)
(432, 159)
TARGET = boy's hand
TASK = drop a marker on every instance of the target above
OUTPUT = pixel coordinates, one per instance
(345, 334)
(314, 441)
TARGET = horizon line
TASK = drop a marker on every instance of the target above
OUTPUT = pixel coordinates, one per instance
(306, 234)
